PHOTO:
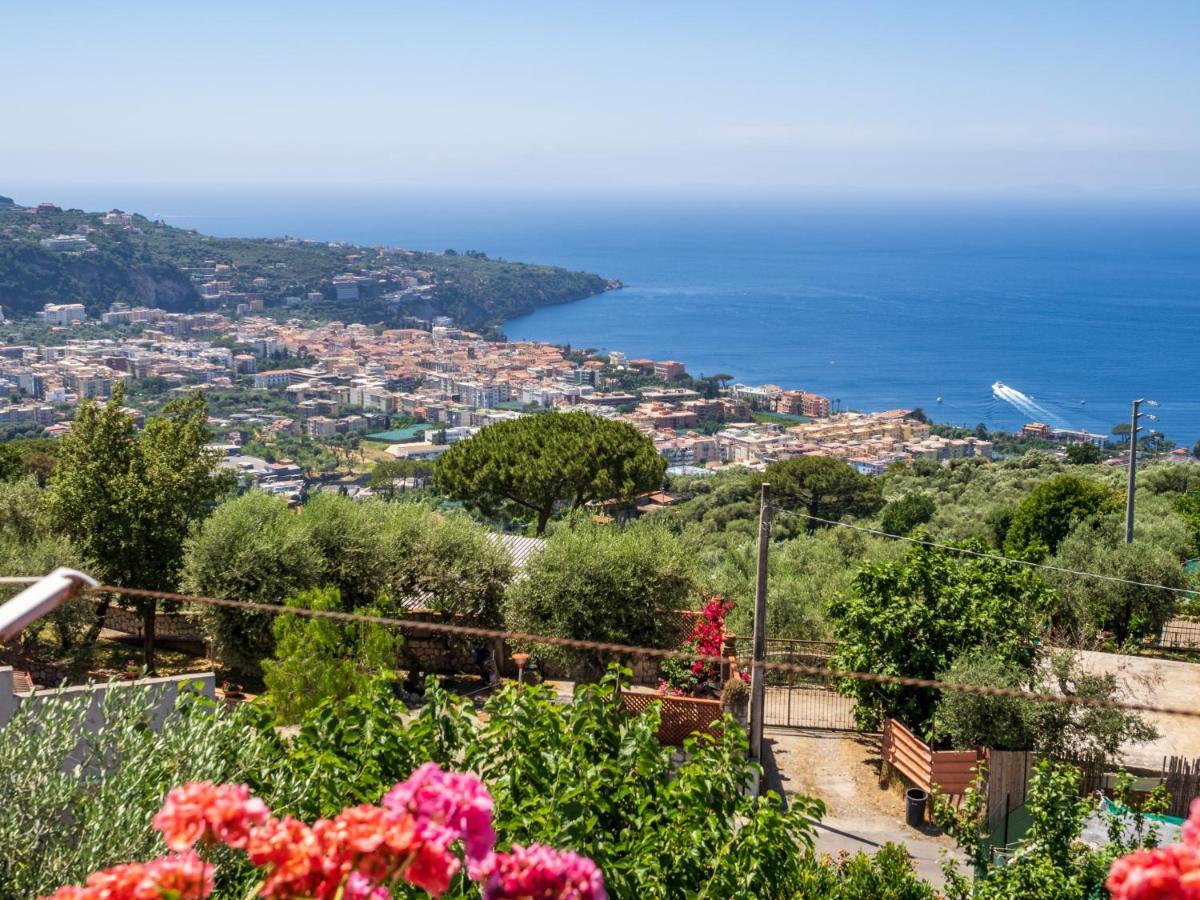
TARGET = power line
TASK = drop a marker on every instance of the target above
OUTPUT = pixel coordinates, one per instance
(995, 556)
(825, 674)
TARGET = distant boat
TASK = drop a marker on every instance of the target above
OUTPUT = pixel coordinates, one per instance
(939, 399)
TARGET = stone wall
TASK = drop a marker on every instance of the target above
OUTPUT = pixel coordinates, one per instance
(180, 626)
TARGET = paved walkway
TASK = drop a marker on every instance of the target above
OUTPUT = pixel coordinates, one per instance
(842, 769)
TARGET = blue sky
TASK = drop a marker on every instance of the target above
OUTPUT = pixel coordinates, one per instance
(1061, 97)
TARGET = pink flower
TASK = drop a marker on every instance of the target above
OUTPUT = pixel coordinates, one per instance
(542, 873)
(184, 876)
(1172, 871)
(375, 842)
(448, 806)
(1191, 828)
(203, 811)
(360, 887)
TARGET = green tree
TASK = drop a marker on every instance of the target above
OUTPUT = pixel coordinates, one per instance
(320, 659)
(603, 583)
(913, 617)
(386, 472)
(1083, 454)
(11, 464)
(1060, 730)
(1188, 507)
(374, 553)
(1051, 510)
(536, 463)
(1132, 606)
(906, 513)
(128, 501)
(31, 545)
(251, 548)
(822, 487)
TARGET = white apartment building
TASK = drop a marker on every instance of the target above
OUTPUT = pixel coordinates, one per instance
(64, 313)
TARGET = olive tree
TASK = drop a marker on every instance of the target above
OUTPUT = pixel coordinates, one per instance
(603, 583)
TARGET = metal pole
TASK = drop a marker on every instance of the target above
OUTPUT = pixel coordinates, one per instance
(759, 652)
(40, 599)
(1133, 431)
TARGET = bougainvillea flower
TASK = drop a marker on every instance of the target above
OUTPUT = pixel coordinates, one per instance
(201, 811)
(184, 876)
(448, 806)
(542, 873)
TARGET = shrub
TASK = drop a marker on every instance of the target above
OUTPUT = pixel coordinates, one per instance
(379, 553)
(320, 659)
(251, 548)
(601, 583)
(76, 800)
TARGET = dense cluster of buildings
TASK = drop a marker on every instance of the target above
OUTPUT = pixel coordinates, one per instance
(354, 379)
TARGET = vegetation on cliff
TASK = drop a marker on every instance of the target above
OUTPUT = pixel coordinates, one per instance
(145, 262)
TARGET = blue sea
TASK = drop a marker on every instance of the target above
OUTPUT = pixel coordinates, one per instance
(1076, 306)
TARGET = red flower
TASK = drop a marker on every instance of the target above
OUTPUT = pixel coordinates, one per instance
(542, 873)
(1172, 871)
(184, 874)
(203, 811)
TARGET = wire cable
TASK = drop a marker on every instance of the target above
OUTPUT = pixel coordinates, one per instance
(966, 551)
(826, 674)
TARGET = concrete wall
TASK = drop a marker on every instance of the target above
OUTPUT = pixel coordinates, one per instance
(161, 693)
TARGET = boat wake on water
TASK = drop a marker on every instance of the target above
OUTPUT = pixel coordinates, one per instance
(1026, 405)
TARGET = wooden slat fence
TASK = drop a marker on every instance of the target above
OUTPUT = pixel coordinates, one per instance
(1182, 778)
(1007, 783)
(681, 717)
(951, 770)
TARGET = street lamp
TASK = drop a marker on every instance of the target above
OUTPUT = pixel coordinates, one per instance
(1133, 433)
(520, 659)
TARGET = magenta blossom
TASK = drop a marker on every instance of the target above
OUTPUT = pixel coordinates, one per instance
(448, 806)
(542, 873)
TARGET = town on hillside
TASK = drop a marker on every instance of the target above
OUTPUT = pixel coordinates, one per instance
(409, 393)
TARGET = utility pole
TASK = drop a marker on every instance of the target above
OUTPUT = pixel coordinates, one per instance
(1129, 499)
(759, 651)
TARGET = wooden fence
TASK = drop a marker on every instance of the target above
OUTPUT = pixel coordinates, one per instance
(951, 770)
(681, 717)
(1182, 778)
(1007, 783)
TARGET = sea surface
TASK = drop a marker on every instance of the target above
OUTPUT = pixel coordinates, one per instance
(1076, 306)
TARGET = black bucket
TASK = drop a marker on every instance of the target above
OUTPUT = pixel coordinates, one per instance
(914, 810)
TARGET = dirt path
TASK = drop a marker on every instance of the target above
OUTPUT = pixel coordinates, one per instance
(1163, 683)
(842, 769)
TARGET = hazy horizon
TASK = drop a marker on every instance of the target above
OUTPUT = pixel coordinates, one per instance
(1075, 100)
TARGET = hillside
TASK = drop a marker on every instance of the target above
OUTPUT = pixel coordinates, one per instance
(133, 259)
